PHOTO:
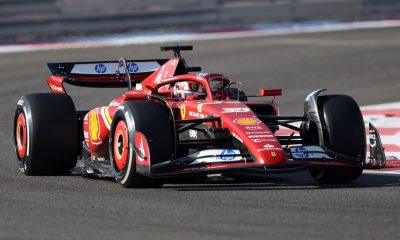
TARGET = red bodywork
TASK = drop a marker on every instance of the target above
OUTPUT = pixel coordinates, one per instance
(238, 117)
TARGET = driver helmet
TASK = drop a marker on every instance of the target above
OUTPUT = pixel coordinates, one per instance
(186, 89)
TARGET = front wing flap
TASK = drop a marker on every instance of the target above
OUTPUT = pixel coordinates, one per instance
(299, 158)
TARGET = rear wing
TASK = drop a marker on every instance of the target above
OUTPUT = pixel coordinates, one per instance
(104, 73)
(115, 73)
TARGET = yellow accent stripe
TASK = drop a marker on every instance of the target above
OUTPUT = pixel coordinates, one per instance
(109, 119)
(94, 126)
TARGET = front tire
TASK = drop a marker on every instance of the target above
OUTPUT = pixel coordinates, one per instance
(344, 133)
(150, 121)
(46, 134)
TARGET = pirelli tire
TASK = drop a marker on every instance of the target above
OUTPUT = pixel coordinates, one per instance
(151, 119)
(344, 133)
(46, 136)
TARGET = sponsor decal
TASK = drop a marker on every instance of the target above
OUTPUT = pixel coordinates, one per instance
(94, 128)
(193, 86)
(160, 74)
(268, 146)
(197, 115)
(141, 150)
(183, 111)
(258, 140)
(215, 156)
(227, 155)
(128, 120)
(132, 67)
(307, 152)
(114, 103)
(200, 107)
(100, 68)
(101, 159)
(202, 74)
(20, 102)
(262, 132)
(235, 110)
(193, 133)
(174, 62)
(260, 136)
(300, 152)
(262, 150)
(56, 89)
(253, 127)
(372, 139)
(247, 121)
(112, 68)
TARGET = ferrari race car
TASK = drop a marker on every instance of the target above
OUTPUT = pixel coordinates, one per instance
(175, 121)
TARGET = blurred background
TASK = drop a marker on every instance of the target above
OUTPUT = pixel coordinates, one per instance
(362, 62)
(27, 20)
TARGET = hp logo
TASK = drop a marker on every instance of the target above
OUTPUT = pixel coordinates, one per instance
(100, 68)
(227, 154)
(133, 67)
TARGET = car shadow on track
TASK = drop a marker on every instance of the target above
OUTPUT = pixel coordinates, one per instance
(299, 181)
(293, 181)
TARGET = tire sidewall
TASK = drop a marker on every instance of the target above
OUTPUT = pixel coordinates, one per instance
(23, 106)
(123, 113)
(334, 135)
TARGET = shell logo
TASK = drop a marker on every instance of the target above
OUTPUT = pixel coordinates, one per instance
(94, 126)
(247, 121)
(200, 107)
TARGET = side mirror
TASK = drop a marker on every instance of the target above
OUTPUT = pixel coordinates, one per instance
(271, 92)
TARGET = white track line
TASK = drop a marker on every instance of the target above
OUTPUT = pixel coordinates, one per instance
(147, 38)
(386, 118)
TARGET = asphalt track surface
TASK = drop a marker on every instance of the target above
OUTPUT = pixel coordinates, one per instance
(364, 64)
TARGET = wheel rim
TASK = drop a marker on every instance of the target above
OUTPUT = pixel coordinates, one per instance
(120, 146)
(21, 136)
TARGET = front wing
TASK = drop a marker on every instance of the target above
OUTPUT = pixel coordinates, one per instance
(299, 158)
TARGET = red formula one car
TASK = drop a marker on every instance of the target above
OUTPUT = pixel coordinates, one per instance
(172, 123)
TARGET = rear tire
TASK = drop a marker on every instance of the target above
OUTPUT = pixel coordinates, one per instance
(153, 121)
(46, 134)
(344, 133)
